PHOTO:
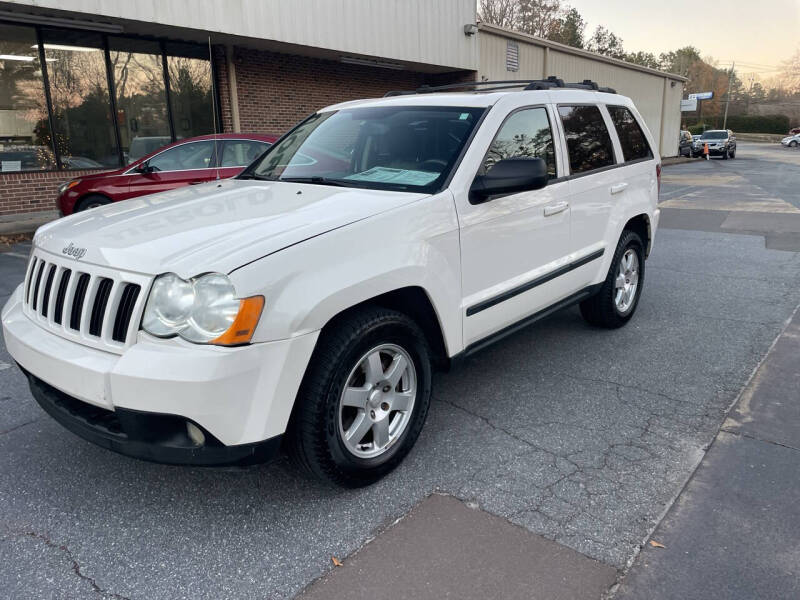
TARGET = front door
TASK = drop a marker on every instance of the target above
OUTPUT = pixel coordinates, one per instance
(511, 245)
(186, 164)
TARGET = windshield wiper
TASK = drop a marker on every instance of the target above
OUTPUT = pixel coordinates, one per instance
(254, 176)
(315, 180)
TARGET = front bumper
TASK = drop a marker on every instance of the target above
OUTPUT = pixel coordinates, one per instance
(237, 396)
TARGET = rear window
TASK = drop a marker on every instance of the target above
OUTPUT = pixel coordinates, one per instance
(588, 141)
(714, 135)
(631, 137)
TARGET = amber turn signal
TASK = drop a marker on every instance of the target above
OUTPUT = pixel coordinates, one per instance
(244, 326)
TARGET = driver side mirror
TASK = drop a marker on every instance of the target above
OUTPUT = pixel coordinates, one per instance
(509, 176)
(145, 168)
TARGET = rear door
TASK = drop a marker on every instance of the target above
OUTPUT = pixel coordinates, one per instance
(186, 164)
(235, 155)
(594, 183)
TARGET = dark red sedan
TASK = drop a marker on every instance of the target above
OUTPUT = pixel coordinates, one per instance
(186, 162)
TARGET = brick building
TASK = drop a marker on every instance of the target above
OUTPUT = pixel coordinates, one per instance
(86, 89)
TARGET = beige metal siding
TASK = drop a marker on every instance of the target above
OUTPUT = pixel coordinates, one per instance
(493, 59)
(421, 31)
(652, 92)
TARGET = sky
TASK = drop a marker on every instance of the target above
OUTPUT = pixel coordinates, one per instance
(757, 34)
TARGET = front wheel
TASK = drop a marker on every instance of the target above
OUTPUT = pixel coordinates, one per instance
(615, 303)
(364, 398)
(91, 201)
(792, 144)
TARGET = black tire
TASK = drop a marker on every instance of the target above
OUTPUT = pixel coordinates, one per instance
(313, 440)
(733, 153)
(792, 144)
(601, 310)
(725, 154)
(91, 201)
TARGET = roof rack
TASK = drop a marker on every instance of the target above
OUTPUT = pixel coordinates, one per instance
(550, 83)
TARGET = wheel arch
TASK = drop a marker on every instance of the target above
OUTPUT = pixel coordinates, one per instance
(642, 226)
(414, 302)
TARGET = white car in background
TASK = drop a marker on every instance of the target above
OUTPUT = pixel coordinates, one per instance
(791, 141)
(307, 302)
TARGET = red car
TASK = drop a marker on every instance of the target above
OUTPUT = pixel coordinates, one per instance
(186, 162)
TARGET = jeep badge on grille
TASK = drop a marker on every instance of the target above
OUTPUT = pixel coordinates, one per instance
(74, 251)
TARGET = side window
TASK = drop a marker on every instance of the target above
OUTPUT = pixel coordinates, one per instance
(194, 155)
(588, 141)
(240, 153)
(525, 133)
(631, 137)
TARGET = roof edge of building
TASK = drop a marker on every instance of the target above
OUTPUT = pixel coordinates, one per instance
(532, 39)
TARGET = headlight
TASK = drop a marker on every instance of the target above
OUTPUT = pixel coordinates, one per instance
(70, 184)
(204, 310)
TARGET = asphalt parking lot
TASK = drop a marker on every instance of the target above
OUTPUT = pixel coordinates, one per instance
(582, 436)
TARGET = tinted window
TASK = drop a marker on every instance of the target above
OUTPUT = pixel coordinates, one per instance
(194, 155)
(631, 137)
(240, 153)
(714, 135)
(524, 133)
(588, 141)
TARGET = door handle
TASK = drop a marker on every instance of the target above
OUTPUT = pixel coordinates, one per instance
(619, 187)
(554, 209)
(195, 182)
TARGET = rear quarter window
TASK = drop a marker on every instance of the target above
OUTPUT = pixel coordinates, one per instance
(631, 137)
(588, 141)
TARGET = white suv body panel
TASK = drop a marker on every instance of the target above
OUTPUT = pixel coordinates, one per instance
(314, 251)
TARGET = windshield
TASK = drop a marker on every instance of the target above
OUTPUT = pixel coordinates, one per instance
(714, 135)
(389, 148)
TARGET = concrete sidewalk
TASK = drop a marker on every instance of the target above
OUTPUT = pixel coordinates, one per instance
(26, 222)
(733, 531)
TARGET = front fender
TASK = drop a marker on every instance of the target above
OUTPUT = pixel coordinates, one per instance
(308, 284)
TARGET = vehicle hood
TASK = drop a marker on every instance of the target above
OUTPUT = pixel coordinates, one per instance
(100, 174)
(217, 227)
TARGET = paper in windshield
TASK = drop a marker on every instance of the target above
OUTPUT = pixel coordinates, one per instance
(400, 176)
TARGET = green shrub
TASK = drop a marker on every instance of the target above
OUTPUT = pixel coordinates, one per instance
(746, 124)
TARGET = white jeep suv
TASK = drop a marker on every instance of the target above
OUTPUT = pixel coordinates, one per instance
(306, 302)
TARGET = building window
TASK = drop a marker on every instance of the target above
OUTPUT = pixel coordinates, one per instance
(190, 90)
(84, 130)
(25, 143)
(109, 99)
(141, 96)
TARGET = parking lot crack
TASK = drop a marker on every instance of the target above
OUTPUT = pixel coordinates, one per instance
(76, 567)
(20, 426)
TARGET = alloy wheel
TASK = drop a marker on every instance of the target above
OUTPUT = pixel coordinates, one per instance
(376, 404)
(627, 281)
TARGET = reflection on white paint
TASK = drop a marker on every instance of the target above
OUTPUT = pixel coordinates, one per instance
(4, 366)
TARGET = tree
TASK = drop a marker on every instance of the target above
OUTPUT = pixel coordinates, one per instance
(539, 17)
(502, 13)
(645, 59)
(607, 43)
(570, 29)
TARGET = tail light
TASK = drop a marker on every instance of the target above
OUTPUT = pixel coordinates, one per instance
(658, 178)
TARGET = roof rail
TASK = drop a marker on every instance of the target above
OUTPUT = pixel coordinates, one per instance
(527, 84)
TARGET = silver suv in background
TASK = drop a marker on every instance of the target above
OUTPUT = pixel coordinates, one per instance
(721, 142)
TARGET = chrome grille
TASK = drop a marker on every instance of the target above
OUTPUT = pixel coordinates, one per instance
(92, 305)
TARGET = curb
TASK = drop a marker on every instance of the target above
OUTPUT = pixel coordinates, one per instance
(26, 222)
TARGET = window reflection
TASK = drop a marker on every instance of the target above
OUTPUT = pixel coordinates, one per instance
(141, 96)
(588, 140)
(190, 90)
(76, 69)
(25, 143)
(525, 133)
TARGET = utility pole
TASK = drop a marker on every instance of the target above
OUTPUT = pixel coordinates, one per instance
(728, 100)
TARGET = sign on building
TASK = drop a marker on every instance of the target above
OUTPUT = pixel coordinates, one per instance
(689, 105)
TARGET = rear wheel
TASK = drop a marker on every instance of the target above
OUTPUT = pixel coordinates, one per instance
(91, 201)
(615, 303)
(364, 398)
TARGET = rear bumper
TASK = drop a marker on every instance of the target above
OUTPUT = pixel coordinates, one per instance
(148, 436)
